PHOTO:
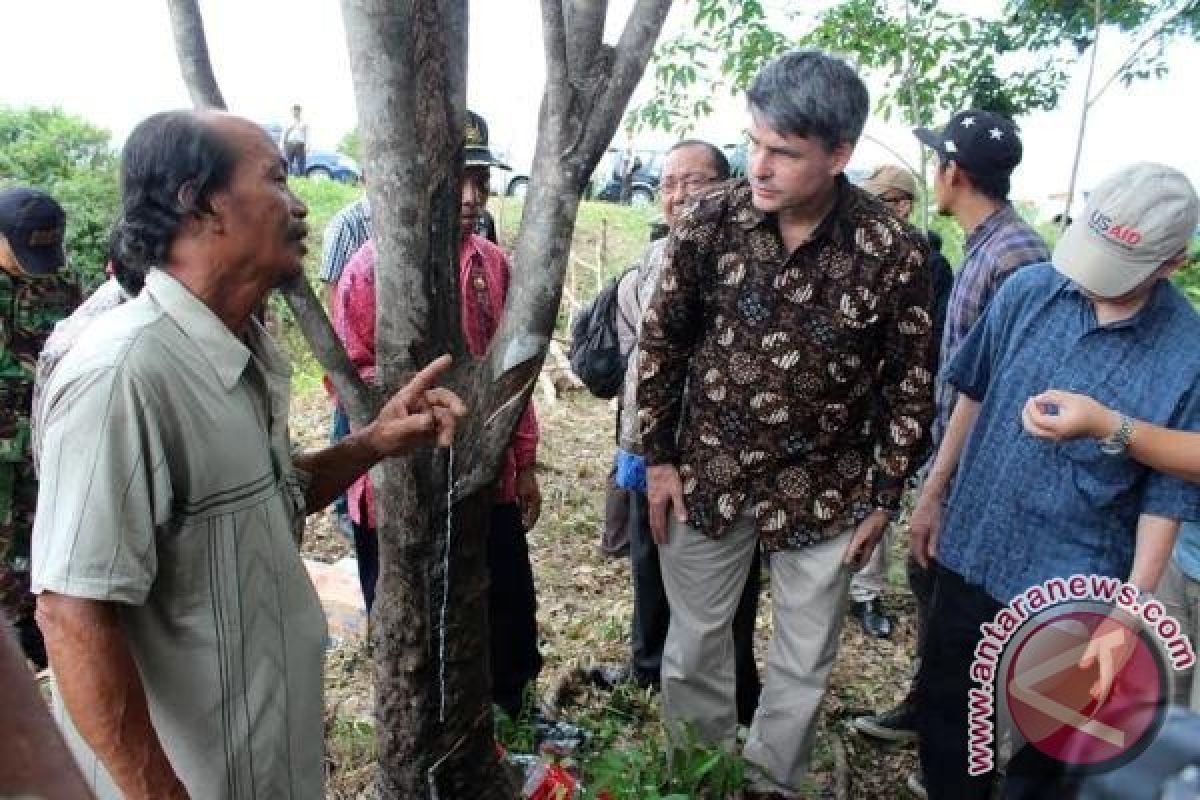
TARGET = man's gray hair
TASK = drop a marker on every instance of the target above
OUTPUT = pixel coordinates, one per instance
(811, 94)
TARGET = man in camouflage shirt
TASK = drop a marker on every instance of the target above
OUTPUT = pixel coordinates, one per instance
(35, 293)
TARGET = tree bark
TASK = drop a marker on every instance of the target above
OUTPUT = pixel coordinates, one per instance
(191, 47)
(428, 627)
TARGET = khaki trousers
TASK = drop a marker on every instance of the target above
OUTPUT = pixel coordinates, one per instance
(704, 579)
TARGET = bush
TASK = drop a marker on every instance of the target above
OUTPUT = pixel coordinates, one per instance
(72, 160)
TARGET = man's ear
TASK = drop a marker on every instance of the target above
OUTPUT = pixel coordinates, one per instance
(1171, 266)
(841, 157)
(211, 214)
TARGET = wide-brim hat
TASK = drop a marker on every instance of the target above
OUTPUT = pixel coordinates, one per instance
(891, 178)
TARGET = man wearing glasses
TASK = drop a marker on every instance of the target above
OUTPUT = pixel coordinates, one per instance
(691, 168)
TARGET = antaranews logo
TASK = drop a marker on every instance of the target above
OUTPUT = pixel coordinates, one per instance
(1081, 669)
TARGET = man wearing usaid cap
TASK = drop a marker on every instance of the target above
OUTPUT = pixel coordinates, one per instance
(1024, 510)
(33, 297)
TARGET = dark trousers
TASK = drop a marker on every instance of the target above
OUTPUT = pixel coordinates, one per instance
(920, 581)
(614, 540)
(296, 156)
(956, 611)
(512, 610)
(366, 553)
(512, 602)
(652, 614)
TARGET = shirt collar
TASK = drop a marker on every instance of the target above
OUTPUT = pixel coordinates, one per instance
(1156, 310)
(984, 230)
(226, 353)
(838, 224)
(469, 249)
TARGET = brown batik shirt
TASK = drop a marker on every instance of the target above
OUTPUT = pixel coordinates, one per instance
(808, 377)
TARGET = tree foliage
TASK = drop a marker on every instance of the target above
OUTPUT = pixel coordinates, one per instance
(72, 160)
(932, 61)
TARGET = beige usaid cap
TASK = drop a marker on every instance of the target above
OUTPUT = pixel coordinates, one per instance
(1135, 221)
(891, 177)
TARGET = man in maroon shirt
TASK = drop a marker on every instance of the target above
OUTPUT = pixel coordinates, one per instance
(483, 280)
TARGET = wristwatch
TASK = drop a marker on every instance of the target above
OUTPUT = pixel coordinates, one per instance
(1118, 442)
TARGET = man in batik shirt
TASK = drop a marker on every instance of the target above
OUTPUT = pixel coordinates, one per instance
(796, 309)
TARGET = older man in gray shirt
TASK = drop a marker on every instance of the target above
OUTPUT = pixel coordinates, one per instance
(184, 634)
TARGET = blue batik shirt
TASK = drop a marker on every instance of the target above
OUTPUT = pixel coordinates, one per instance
(1187, 549)
(1023, 509)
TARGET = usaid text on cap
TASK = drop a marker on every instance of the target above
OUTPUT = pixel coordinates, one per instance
(1125, 235)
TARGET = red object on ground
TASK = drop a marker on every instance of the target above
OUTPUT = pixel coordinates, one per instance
(549, 782)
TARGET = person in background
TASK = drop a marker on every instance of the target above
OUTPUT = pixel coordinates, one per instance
(1007, 511)
(785, 395)
(977, 153)
(36, 292)
(691, 168)
(484, 275)
(169, 485)
(294, 143)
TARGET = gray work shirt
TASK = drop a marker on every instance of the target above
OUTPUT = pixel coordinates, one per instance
(168, 489)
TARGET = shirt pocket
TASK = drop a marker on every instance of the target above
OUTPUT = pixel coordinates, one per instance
(1103, 480)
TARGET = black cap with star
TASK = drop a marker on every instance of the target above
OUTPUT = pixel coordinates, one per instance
(983, 143)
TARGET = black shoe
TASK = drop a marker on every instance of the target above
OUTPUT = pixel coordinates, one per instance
(870, 615)
(646, 680)
(897, 725)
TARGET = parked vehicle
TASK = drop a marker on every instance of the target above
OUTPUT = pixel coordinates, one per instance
(321, 164)
(605, 184)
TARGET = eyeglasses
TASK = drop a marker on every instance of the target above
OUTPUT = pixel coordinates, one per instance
(892, 198)
(689, 183)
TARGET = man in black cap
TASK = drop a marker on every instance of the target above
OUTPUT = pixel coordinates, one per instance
(977, 152)
(35, 293)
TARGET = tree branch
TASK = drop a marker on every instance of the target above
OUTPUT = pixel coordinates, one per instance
(191, 47)
(632, 54)
(361, 402)
(554, 42)
(1185, 8)
(585, 33)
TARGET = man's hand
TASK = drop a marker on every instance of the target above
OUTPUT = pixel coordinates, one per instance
(529, 497)
(664, 492)
(1062, 416)
(421, 413)
(1110, 648)
(865, 538)
(925, 525)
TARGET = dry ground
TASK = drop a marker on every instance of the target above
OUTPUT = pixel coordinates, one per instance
(584, 611)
